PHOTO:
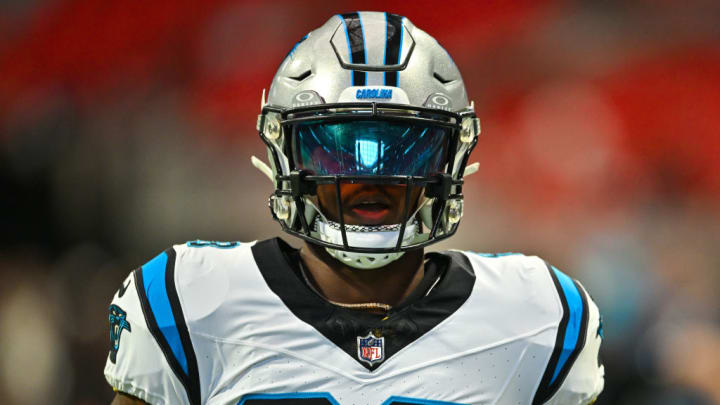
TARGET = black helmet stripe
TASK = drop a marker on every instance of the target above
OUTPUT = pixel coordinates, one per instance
(393, 46)
(356, 45)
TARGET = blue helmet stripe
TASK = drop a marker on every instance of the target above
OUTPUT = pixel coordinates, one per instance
(386, 46)
(393, 46)
(356, 45)
(402, 37)
(362, 34)
(347, 37)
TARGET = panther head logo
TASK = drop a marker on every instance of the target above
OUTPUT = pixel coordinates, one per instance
(117, 324)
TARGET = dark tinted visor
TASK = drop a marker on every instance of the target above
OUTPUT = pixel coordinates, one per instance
(370, 148)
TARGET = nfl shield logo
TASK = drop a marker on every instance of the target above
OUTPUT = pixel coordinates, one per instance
(371, 349)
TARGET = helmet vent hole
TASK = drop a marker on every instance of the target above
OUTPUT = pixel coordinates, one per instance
(441, 79)
(302, 76)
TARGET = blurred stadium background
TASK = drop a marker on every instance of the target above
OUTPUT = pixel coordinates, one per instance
(128, 126)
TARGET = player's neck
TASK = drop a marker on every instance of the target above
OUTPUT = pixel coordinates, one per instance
(340, 283)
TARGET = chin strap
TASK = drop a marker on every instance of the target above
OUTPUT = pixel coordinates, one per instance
(376, 236)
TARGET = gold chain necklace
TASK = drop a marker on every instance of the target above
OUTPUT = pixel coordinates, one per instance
(363, 305)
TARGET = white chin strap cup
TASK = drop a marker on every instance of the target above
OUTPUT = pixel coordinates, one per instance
(367, 238)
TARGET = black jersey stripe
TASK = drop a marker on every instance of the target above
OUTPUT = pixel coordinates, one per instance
(553, 377)
(356, 45)
(179, 359)
(393, 46)
(582, 336)
(542, 393)
(193, 376)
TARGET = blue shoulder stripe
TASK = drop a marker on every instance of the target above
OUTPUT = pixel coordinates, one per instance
(157, 296)
(570, 338)
(155, 282)
(576, 308)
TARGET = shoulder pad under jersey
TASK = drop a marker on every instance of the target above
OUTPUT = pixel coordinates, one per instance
(151, 356)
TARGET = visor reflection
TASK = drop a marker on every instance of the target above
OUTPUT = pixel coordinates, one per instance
(370, 148)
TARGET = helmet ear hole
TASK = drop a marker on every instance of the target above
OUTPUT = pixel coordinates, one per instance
(441, 79)
(302, 76)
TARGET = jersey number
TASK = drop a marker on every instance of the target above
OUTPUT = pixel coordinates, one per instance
(324, 398)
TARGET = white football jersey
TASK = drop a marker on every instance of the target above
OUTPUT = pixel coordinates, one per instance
(230, 323)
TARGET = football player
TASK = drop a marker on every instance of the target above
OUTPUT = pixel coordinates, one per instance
(368, 131)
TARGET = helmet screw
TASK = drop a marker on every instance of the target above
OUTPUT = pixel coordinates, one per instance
(470, 129)
(272, 127)
(455, 211)
(281, 207)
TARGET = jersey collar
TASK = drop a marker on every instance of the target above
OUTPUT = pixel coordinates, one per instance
(450, 273)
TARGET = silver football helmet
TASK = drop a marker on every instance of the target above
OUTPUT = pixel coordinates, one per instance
(368, 98)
